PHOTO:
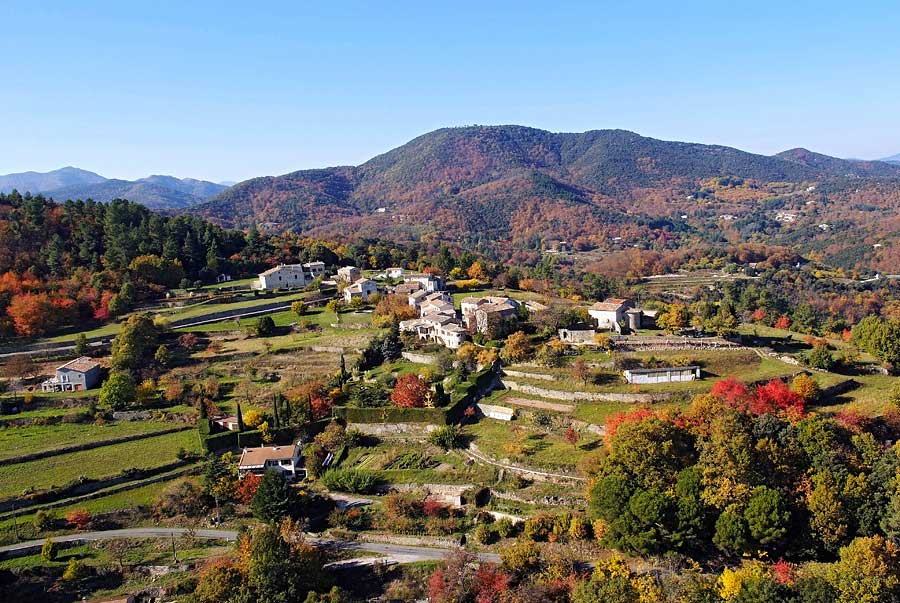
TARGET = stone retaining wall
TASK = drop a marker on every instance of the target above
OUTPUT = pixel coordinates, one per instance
(554, 394)
(419, 358)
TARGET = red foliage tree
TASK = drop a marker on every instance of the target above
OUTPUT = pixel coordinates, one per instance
(783, 322)
(758, 315)
(783, 572)
(572, 436)
(410, 392)
(490, 583)
(620, 418)
(775, 396)
(247, 488)
(433, 508)
(32, 313)
(320, 406)
(731, 391)
(79, 518)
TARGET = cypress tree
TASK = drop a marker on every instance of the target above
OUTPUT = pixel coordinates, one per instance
(276, 423)
(240, 418)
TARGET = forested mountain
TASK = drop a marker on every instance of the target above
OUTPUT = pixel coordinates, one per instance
(518, 184)
(156, 192)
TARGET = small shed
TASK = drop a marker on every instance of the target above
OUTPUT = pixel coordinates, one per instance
(501, 413)
(668, 374)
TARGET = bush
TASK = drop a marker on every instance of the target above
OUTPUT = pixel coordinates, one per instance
(49, 551)
(351, 519)
(483, 534)
(447, 437)
(356, 481)
(75, 571)
(504, 528)
(42, 520)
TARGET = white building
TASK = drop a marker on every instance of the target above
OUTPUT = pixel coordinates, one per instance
(315, 269)
(669, 374)
(76, 375)
(609, 313)
(429, 282)
(394, 272)
(284, 276)
(437, 328)
(349, 274)
(361, 289)
(286, 459)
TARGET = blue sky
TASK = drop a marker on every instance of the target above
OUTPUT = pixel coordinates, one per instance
(228, 91)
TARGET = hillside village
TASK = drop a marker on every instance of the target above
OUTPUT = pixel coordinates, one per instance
(367, 392)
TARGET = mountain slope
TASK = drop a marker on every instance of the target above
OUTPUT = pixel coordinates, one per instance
(156, 192)
(477, 182)
(38, 182)
(840, 167)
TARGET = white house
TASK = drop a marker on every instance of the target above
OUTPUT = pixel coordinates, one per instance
(286, 459)
(429, 282)
(349, 274)
(438, 328)
(361, 289)
(75, 375)
(492, 315)
(284, 276)
(315, 269)
(394, 272)
(609, 313)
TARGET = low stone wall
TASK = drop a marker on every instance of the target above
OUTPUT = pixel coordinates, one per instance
(419, 358)
(395, 429)
(524, 375)
(554, 394)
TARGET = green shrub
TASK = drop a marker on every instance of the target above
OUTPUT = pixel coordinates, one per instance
(356, 481)
(49, 551)
(447, 437)
(483, 534)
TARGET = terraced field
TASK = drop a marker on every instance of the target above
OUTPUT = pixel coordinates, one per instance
(19, 441)
(96, 463)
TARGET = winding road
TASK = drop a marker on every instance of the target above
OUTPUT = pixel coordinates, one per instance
(394, 553)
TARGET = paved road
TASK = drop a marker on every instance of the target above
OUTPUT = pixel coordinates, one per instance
(395, 553)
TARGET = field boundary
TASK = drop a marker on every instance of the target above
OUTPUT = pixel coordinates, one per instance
(35, 456)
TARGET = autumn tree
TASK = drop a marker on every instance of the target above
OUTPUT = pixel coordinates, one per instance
(410, 392)
(516, 349)
(806, 387)
(674, 319)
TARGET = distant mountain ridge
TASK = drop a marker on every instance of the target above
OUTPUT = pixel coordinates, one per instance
(156, 192)
(491, 180)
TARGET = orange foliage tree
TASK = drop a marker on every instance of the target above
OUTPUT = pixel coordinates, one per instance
(410, 392)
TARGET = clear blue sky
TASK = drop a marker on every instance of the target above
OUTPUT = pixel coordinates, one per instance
(223, 91)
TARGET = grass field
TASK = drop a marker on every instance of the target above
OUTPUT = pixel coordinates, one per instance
(200, 308)
(40, 438)
(96, 463)
(533, 448)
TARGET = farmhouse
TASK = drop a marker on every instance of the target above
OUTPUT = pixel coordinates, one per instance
(75, 375)
(315, 269)
(286, 459)
(349, 274)
(439, 328)
(492, 316)
(283, 276)
(407, 288)
(609, 313)
(429, 282)
(669, 374)
(394, 272)
(361, 289)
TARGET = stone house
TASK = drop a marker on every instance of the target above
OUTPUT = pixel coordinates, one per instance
(76, 375)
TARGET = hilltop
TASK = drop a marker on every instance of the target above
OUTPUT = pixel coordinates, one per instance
(514, 182)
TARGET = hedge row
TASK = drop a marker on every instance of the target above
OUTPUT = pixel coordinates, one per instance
(462, 396)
